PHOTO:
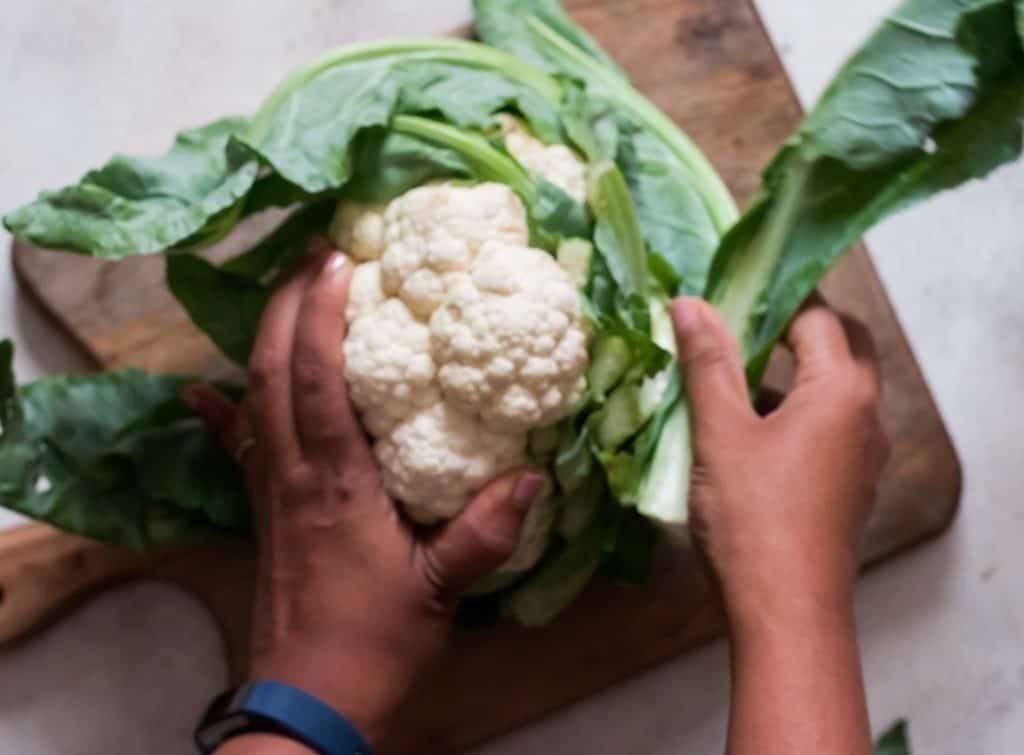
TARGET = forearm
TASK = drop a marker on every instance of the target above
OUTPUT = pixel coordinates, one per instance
(797, 682)
(262, 744)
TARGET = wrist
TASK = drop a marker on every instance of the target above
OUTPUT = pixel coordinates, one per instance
(262, 744)
(366, 689)
(792, 594)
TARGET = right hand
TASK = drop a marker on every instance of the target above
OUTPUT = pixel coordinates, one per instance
(779, 503)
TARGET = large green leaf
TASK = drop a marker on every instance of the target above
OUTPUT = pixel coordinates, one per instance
(226, 302)
(115, 457)
(934, 99)
(307, 127)
(223, 304)
(139, 205)
(306, 132)
(522, 26)
(389, 163)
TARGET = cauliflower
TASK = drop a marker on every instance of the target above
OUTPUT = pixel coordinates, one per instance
(439, 457)
(510, 341)
(388, 363)
(461, 338)
(555, 163)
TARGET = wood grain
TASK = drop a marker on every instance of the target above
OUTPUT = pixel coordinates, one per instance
(709, 65)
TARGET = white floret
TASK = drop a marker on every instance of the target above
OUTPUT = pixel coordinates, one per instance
(389, 368)
(556, 162)
(438, 459)
(358, 230)
(365, 295)
(438, 229)
(512, 346)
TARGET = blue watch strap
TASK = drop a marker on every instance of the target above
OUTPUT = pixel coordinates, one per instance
(279, 708)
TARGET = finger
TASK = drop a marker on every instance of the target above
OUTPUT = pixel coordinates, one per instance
(323, 414)
(710, 360)
(483, 536)
(818, 341)
(862, 348)
(270, 394)
(217, 411)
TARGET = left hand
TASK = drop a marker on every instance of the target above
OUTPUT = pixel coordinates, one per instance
(352, 604)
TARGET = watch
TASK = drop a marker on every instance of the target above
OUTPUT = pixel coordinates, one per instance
(276, 708)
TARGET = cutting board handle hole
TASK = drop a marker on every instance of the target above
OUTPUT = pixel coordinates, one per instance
(1, 595)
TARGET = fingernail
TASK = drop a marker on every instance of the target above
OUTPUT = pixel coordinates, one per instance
(528, 488)
(336, 263)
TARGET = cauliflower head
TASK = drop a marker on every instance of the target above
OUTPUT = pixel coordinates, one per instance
(510, 342)
(461, 337)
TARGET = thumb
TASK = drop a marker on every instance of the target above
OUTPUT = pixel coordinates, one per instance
(709, 358)
(483, 536)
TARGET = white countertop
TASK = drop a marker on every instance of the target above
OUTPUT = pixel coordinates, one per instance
(942, 628)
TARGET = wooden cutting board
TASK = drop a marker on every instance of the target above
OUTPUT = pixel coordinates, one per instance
(709, 65)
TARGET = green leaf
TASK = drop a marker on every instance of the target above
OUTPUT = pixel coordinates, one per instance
(574, 462)
(275, 255)
(308, 126)
(7, 385)
(540, 32)
(306, 137)
(224, 305)
(138, 205)
(115, 457)
(558, 215)
(515, 26)
(390, 163)
(468, 97)
(272, 190)
(563, 574)
(895, 741)
(617, 235)
(670, 209)
(227, 302)
(629, 547)
(934, 99)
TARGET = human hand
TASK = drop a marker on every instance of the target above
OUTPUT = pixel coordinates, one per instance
(352, 604)
(779, 503)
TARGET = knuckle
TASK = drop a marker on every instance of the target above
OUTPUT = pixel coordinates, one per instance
(297, 483)
(267, 368)
(859, 390)
(705, 357)
(308, 371)
(493, 544)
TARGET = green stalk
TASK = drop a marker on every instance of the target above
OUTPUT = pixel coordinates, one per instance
(718, 200)
(748, 275)
(487, 162)
(664, 494)
(612, 205)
